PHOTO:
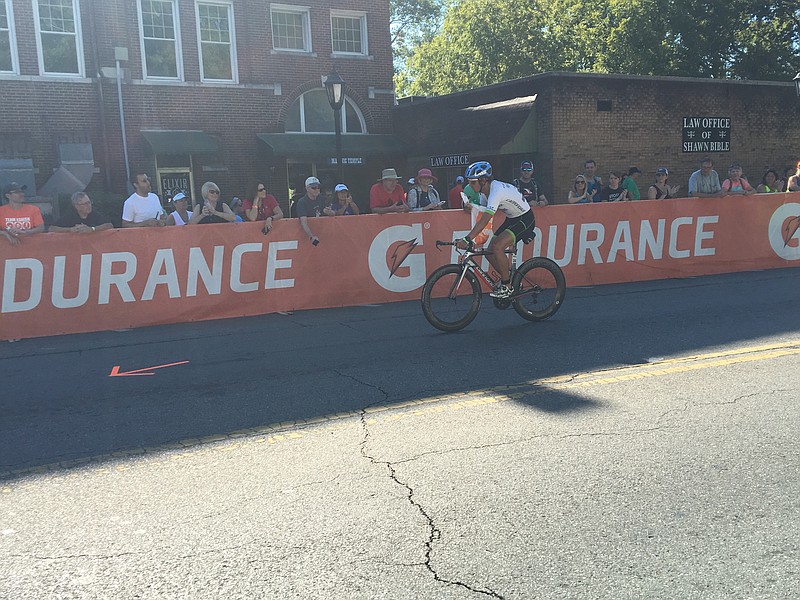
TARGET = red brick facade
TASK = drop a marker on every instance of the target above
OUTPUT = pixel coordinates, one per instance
(39, 111)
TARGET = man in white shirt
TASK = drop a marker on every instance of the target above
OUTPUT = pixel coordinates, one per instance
(142, 208)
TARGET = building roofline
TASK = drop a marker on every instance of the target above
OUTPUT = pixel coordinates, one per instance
(609, 76)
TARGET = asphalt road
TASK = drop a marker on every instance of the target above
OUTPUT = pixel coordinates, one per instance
(641, 444)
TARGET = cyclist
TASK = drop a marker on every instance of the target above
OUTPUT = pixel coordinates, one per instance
(517, 226)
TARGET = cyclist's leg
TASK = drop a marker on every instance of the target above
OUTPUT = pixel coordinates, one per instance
(498, 257)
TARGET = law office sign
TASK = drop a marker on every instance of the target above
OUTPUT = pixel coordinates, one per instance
(706, 134)
(450, 160)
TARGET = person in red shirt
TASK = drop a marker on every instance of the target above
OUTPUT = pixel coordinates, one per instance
(387, 196)
(18, 219)
(454, 196)
(261, 206)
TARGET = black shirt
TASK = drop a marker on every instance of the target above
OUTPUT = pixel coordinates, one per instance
(529, 190)
(306, 207)
(72, 218)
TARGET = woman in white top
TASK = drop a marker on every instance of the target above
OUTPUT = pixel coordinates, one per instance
(181, 215)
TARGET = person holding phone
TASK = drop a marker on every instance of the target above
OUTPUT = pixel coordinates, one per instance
(387, 196)
(423, 196)
(342, 203)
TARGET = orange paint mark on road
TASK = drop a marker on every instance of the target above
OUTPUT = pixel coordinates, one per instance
(115, 372)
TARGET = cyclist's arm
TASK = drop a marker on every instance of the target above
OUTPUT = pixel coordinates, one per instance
(480, 224)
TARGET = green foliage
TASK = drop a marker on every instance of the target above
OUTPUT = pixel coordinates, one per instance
(481, 42)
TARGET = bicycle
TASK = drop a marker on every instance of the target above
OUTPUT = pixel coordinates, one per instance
(451, 296)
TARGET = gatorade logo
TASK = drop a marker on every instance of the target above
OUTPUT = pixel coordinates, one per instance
(784, 231)
(393, 264)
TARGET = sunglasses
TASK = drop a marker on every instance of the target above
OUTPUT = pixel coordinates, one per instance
(581, 181)
(313, 187)
(262, 189)
(213, 191)
(526, 169)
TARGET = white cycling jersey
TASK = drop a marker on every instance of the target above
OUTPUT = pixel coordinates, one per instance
(506, 198)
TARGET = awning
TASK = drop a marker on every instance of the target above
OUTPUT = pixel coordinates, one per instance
(324, 145)
(168, 141)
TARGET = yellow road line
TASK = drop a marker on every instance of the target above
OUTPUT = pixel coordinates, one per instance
(283, 432)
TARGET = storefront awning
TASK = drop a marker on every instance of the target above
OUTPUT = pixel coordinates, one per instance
(313, 145)
(172, 142)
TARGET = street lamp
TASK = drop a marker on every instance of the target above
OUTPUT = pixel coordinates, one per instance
(796, 84)
(334, 86)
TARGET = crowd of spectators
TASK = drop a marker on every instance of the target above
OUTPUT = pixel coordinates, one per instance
(143, 208)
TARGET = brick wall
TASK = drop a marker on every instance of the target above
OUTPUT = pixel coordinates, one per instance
(41, 107)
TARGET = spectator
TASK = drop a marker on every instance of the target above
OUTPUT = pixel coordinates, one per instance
(660, 190)
(182, 215)
(237, 206)
(142, 208)
(309, 205)
(214, 210)
(423, 196)
(81, 219)
(770, 183)
(387, 195)
(17, 218)
(736, 185)
(528, 187)
(614, 192)
(705, 182)
(342, 203)
(260, 206)
(630, 184)
(578, 194)
(793, 182)
(594, 183)
(454, 195)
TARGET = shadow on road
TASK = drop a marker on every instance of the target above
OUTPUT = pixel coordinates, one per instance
(261, 374)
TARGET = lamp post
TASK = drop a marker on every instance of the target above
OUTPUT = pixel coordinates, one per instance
(334, 86)
(797, 84)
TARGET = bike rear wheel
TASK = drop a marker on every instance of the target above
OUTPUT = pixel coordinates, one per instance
(542, 283)
(449, 302)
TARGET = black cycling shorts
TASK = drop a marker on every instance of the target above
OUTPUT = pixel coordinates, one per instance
(519, 226)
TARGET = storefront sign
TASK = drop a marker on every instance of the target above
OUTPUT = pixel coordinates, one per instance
(174, 181)
(706, 134)
(347, 160)
(450, 160)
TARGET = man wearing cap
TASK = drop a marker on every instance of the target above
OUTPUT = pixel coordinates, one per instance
(342, 203)
(528, 187)
(454, 195)
(309, 205)
(423, 196)
(142, 208)
(17, 218)
(387, 195)
(81, 219)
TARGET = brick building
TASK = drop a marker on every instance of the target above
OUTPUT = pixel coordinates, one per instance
(222, 90)
(560, 119)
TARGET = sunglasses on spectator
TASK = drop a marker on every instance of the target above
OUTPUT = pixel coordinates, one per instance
(314, 187)
(262, 189)
(213, 191)
(580, 181)
(526, 169)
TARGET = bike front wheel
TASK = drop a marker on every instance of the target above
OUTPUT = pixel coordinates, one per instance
(450, 302)
(540, 284)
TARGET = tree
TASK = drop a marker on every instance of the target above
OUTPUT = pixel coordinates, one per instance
(480, 43)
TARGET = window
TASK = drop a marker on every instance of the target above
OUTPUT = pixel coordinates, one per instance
(349, 32)
(58, 28)
(8, 45)
(291, 28)
(160, 44)
(311, 113)
(217, 42)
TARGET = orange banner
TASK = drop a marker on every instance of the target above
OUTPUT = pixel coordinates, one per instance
(68, 283)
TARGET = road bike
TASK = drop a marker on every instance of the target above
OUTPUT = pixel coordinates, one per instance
(451, 296)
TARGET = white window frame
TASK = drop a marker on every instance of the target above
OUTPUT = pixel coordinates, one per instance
(234, 64)
(347, 101)
(178, 47)
(305, 12)
(352, 14)
(76, 12)
(12, 38)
